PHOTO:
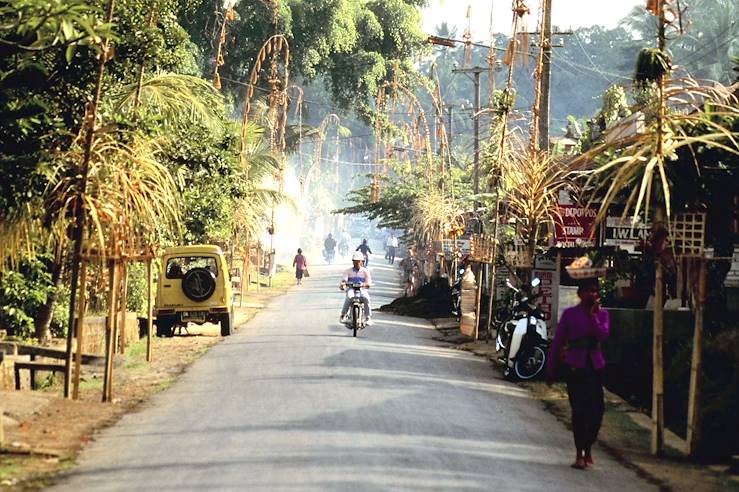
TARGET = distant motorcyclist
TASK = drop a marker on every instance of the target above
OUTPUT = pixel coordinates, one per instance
(365, 250)
(344, 241)
(329, 245)
(357, 274)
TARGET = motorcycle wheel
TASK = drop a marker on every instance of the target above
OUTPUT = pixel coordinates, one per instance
(529, 363)
(355, 319)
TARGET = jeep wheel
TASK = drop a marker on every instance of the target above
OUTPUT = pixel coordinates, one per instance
(199, 284)
(165, 327)
(227, 323)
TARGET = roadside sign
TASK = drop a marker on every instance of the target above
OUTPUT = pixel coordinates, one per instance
(576, 227)
(549, 300)
(622, 233)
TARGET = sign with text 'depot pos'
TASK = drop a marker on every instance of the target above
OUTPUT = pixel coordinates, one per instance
(576, 227)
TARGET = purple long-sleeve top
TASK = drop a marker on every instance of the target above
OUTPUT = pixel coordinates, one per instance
(578, 323)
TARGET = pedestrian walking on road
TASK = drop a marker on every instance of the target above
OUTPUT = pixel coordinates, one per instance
(301, 266)
(577, 347)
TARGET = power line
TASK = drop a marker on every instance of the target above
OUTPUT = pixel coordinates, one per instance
(689, 58)
(587, 55)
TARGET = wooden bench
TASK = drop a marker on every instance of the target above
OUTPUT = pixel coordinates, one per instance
(34, 366)
(37, 351)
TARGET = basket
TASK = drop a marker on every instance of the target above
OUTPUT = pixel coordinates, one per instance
(583, 273)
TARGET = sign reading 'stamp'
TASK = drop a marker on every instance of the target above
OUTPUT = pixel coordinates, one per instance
(576, 227)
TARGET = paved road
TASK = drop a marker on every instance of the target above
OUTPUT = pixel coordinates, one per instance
(293, 402)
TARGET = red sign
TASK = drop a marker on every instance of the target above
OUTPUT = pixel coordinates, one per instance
(575, 227)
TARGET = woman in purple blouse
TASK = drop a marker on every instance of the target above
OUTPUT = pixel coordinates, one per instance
(576, 344)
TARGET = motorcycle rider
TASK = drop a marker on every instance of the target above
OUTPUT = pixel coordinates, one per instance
(366, 251)
(344, 241)
(357, 273)
(328, 247)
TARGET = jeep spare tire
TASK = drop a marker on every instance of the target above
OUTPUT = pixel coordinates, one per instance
(199, 284)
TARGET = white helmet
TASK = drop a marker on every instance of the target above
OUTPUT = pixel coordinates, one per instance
(357, 256)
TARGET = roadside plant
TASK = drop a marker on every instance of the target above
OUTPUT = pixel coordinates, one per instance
(631, 170)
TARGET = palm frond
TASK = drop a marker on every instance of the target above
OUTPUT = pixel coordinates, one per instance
(173, 97)
(697, 117)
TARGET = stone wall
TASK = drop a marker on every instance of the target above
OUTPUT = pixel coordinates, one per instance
(94, 336)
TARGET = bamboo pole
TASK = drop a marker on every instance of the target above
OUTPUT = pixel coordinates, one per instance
(658, 391)
(80, 329)
(658, 417)
(244, 276)
(694, 414)
(2, 431)
(149, 308)
(124, 295)
(109, 328)
(479, 300)
(259, 268)
(78, 239)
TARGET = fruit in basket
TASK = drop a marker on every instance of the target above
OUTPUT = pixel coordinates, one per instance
(582, 262)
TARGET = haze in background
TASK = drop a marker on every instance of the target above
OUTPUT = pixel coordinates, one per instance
(565, 14)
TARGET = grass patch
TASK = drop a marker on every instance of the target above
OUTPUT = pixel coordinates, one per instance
(137, 350)
(9, 467)
(283, 280)
(91, 384)
(136, 366)
(165, 384)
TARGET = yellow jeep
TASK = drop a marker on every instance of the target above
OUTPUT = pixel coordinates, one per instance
(194, 286)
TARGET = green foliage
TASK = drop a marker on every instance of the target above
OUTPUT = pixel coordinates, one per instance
(22, 292)
(399, 191)
(503, 101)
(351, 46)
(651, 65)
(136, 288)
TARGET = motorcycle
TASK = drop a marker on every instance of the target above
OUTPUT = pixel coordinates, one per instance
(328, 255)
(457, 295)
(355, 321)
(527, 344)
(343, 248)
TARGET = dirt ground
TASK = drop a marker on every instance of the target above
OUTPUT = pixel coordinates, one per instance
(625, 433)
(44, 432)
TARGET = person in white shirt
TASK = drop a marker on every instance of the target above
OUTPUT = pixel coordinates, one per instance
(357, 274)
(392, 246)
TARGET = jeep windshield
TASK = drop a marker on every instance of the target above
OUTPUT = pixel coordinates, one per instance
(178, 266)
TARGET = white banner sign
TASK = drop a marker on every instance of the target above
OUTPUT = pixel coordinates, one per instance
(622, 233)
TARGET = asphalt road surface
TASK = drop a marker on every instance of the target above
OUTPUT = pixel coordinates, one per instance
(294, 402)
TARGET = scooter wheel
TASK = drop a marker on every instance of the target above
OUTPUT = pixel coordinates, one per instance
(530, 363)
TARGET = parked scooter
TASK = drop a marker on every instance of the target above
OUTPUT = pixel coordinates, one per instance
(457, 295)
(526, 346)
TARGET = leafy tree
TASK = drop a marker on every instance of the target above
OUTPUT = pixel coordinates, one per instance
(352, 46)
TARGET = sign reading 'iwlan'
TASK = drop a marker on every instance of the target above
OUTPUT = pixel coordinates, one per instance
(624, 234)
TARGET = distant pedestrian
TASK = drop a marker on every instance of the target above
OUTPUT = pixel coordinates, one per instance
(577, 346)
(301, 266)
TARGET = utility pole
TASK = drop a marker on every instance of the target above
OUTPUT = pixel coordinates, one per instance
(475, 71)
(546, 77)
